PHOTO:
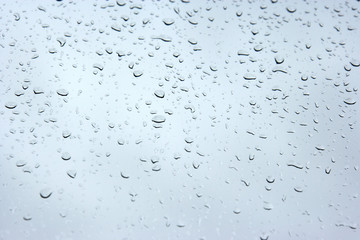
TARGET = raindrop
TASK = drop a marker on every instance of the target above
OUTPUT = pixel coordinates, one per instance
(65, 156)
(62, 92)
(189, 140)
(258, 48)
(213, 68)
(27, 217)
(156, 168)
(38, 90)
(71, 173)
(66, 133)
(268, 206)
(168, 21)
(350, 101)
(20, 163)
(279, 60)
(320, 148)
(270, 179)
(237, 211)
(45, 193)
(192, 41)
(137, 73)
(10, 105)
(121, 2)
(123, 175)
(239, 13)
(249, 76)
(159, 93)
(304, 77)
(158, 119)
(242, 53)
(116, 28)
(355, 63)
(291, 9)
(98, 66)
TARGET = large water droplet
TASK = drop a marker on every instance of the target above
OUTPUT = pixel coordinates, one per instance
(10, 105)
(45, 193)
(158, 119)
(137, 73)
(159, 93)
(350, 101)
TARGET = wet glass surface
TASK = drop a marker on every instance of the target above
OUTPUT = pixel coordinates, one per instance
(179, 119)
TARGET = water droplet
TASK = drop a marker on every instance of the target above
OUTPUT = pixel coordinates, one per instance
(65, 156)
(237, 211)
(137, 73)
(320, 148)
(168, 21)
(298, 189)
(71, 173)
(213, 68)
(123, 175)
(121, 141)
(279, 60)
(159, 93)
(98, 66)
(45, 193)
(116, 28)
(158, 119)
(156, 168)
(10, 105)
(249, 76)
(66, 133)
(239, 13)
(20, 163)
(270, 179)
(192, 41)
(291, 9)
(268, 206)
(27, 217)
(350, 101)
(242, 53)
(120, 3)
(355, 63)
(62, 92)
(258, 48)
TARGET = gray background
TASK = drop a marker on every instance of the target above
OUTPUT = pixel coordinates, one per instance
(154, 184)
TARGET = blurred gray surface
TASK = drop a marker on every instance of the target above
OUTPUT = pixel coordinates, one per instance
(179, 119)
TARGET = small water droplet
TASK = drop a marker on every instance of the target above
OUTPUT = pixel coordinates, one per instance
(71, 173)
(279, 59)
(291, 9)
(65, 156)
(62, 92)
(320, 148)
(124, 175)
(192, 41)
(168, 21)
(20, 163)
(66, 133)
(27, 217)
(237, 211)
(249, 76)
